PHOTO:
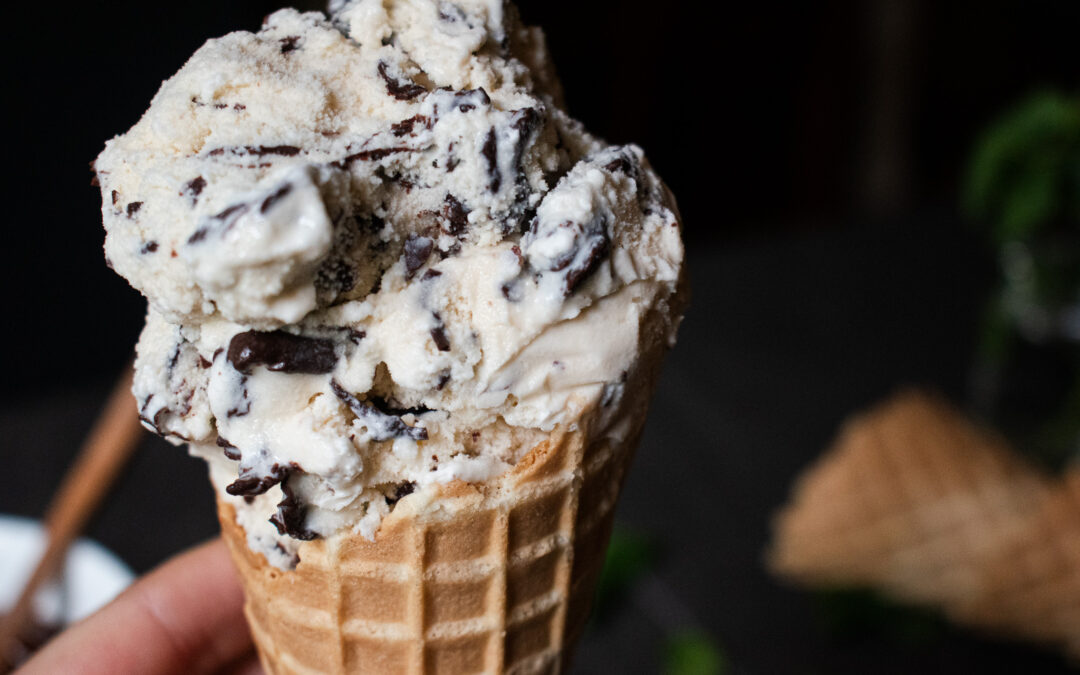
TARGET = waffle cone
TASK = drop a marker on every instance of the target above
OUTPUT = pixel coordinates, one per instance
(1031, 588)
(917, 502)
(486, 577)
(912, 499)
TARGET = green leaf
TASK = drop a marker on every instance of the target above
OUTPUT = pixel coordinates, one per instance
(692, 652)
(1023, 170)
(629, 556)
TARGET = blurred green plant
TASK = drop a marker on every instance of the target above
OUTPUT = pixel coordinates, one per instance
(1023, 186)
(1025, 170)
(691, 652)
(632, 557)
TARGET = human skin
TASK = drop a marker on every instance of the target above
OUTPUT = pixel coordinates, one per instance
(184, 617)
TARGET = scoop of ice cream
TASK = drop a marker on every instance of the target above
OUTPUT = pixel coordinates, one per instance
(379, 256)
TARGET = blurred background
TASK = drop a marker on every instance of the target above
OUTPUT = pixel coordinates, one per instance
(840, 241)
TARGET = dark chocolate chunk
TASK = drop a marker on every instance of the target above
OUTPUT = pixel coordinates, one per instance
(355, 336)
(438, 334)
(230, 450)
(597, 248)
(405, 127)
(257, 150)
(511, 290)
(525, 121)
(243, 406)
(399, 89)
(402, 490)
(455, 215)
(491, 155)
(289, 43)
(281, 352)
(291, 514)
(133, 208)
(149, 247)
(275, 197)
(224, 220)
(468, 100)
(115, 197)
(431, 274)
(382, 426)
(394, 407)
(374, 154)
(444, 378)
(249, 483)
(194, 187)
(417, 251)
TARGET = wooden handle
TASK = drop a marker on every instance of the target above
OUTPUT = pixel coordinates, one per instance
(105, 452)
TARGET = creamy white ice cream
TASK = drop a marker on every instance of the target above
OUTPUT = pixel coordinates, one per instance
(378, 256)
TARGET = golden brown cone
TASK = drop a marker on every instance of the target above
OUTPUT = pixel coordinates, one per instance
(490, 577)
(914, 500)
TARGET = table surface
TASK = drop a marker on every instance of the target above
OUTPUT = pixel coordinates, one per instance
(786, 335)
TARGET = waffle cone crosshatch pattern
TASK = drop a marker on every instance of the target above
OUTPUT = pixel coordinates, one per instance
(493, 577)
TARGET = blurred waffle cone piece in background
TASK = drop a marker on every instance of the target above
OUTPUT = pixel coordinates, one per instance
(917, 502)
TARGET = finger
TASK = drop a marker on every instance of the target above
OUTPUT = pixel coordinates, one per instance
(185, 617)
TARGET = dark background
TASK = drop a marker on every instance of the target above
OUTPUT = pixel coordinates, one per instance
(816, 152)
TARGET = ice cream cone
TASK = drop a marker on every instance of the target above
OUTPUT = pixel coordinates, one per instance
(1031, 588)
(488, 577)
(912, 499)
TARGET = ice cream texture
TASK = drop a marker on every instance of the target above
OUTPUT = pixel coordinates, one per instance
(379, 256)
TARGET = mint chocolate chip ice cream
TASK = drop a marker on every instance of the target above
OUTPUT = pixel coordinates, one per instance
(379, 256)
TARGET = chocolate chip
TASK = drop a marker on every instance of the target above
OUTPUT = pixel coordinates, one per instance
(375, 154)
(438, 334)
(149, 247)
(133, 208)
(243, 406)
(444, 378)
(525, 121)
(257, 150)
(275, 197)
(597, 249)
(281, 352)
(417, 251)
(289, 43)
(194, 187)
(115, 197)
(490, 152)
(401, 90)
(250, 483)
(291, 514)
(227, 218)
(393, 407)
(402, 490)
(405, 127)
(230, 450)
(380, 425)
(431, 274)
(455, 215)
(355, 336)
